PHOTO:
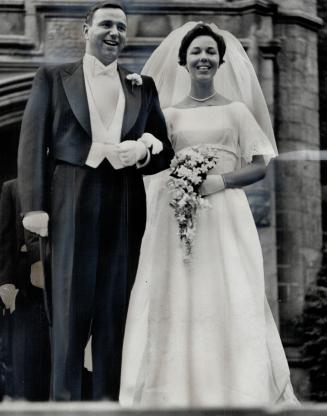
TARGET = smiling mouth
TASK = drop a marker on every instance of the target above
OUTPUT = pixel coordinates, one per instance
(111, 42)
(203, 67)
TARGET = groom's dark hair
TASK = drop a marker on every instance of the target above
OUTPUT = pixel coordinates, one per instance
(201, 30)
(109, 4)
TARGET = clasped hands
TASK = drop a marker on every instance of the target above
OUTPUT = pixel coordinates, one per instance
(133, 151)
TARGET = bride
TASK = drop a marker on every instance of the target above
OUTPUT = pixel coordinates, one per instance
(201, 333)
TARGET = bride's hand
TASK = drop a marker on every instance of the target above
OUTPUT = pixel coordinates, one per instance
(212, 184)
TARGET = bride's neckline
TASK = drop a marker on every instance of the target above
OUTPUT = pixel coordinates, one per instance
(203, 106)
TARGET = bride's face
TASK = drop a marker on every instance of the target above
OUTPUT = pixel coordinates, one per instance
(202, 58)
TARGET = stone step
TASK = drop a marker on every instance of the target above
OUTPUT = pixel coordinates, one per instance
(106, 408)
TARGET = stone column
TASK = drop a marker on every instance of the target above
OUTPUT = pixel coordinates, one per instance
(298, 192)
(322, 63)
(262, 48)
(268, 49)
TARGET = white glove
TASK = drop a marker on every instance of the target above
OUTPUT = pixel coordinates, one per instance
(212, 184)
(8, 294)
(150, 141)
(131, 151)
(36, 222)
(37, 277)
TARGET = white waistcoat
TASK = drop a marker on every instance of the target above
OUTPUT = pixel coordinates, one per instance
(104, 138)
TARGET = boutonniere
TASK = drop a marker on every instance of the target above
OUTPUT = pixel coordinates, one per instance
(135, 79)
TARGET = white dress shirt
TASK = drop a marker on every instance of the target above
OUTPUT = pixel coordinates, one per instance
(106, 101)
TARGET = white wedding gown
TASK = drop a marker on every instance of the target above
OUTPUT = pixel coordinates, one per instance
(202, 333)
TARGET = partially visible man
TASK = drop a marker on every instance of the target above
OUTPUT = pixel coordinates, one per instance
(87, 138)
(26, 330)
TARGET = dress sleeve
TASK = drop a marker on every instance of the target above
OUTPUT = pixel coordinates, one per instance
(168, 113)
(252, 139)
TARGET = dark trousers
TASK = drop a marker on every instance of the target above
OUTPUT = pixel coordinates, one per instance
(26, 348)
(95, 249)
(6, 383)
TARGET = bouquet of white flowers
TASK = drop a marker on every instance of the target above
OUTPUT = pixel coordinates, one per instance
(189, 169)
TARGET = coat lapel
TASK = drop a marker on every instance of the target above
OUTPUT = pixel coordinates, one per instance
(74, 86)
(132, 102)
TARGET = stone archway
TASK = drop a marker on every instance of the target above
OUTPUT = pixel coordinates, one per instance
(8, 151)
(13, 96)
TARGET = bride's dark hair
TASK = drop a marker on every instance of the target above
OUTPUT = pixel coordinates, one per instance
(201, 30)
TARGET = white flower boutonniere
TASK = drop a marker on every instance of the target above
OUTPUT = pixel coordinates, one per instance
(135, 79)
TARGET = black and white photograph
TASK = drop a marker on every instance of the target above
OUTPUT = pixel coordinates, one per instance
(163, 207)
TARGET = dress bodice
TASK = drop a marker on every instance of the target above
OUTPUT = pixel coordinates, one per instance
(231, 128)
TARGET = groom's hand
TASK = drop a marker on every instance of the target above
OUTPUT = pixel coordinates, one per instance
(36, 222)
(8, 294)
(130, 152)
(36, 276)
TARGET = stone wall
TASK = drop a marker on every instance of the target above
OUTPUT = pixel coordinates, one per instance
(307, 6)
(298, 192)
(322, 62)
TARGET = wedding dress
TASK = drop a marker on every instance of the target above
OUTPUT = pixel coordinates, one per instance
(202, 333)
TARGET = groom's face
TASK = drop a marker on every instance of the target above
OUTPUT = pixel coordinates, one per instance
(105, 36)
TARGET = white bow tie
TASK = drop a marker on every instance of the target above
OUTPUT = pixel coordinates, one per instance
(110, 70)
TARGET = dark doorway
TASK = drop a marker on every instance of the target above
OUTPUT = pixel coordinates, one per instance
(9, 138)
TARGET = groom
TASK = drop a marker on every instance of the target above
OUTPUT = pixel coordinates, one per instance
(80, 165)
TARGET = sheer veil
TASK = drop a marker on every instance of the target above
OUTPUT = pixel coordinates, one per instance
(235, 79)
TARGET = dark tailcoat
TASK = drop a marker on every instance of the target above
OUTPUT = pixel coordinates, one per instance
(97, 219)
(25, 333)
(18, 248)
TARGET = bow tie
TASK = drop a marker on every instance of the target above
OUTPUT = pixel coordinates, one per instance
(110, 70)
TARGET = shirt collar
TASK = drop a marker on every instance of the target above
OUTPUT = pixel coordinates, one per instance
(97, 68)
